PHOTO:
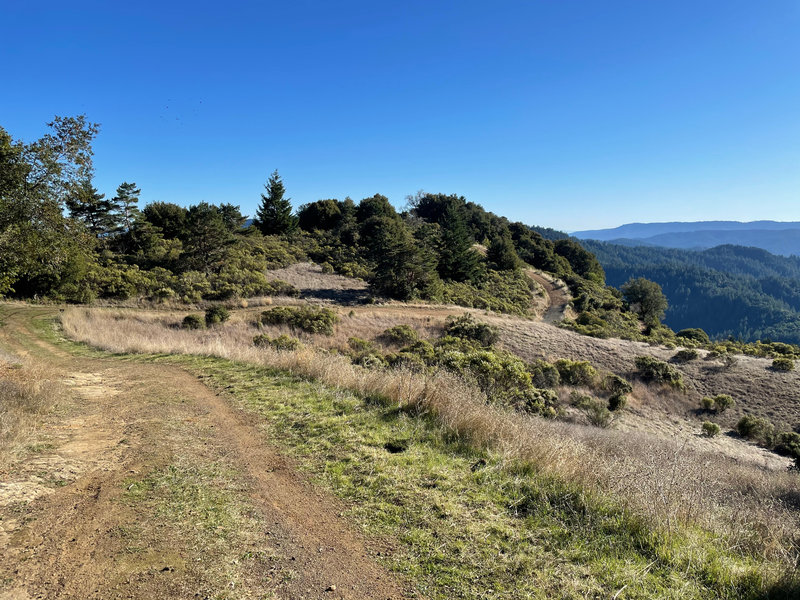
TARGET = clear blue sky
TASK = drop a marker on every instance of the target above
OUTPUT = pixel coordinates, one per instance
(564, 113)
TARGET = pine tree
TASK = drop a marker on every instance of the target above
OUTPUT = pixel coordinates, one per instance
(458, 261)
(87, 205)
(501, 254)
(125, 204)
(274, 214)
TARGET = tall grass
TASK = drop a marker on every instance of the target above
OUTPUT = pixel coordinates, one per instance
(27, 393)
(678, 490)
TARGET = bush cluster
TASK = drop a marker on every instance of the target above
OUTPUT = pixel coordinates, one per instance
(719, 403)
(282, 342)
(657, 371)
(307, 318)
(686, 355)
(217, 314)
(576, 372)
(710, 429)
(468, 328)
(783, 364)
(401, 335)
(193, 322)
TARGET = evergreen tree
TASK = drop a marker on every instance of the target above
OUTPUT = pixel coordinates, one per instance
(206, 237)
(646, 299)
(92, 209)
(274, 214)
(126, 205)
(168, 217)
(501, 254)
(458, 260)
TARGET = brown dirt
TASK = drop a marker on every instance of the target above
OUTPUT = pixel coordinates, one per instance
(64, 516)
(558, 297)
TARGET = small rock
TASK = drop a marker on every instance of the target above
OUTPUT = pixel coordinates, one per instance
(331, 588)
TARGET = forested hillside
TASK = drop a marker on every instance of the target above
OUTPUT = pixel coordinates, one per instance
(729, 290)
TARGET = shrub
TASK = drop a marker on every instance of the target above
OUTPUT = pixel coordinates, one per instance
(402, 335)
(783, 364)
(695, 334)
(707, 403)
(617, 401)
(710, 429)
(544, 375)
(359, 345)
(757, 429)
(575, 372)
(193, 322)
(282, 342)
(685, 355)
(657, 371)
(466, 327)
(723, 402)
(582, 401)
(217, 314)
(616, 384)
(308, 318)
(599, 415)
(788, 444)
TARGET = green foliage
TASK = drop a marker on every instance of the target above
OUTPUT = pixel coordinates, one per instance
(282, 342)
(657, 371)
(581, 261)
(723, 402)
(707, 403)
(787, 443)
(501, 254)
(757, 429)
(617, 401)
(308, 318)
(696, 335)
(467, 327)
(402, 335)
(277, 287)
(646, 299)
(274, 213)
(359, 345)
(217, 314)
(544, 375)
(576, 372)
(320, 215)
(501, 291)
(458, 260)
(686, 355)
(616, 384)
(710, 429)
(783, 364)
(193, 322)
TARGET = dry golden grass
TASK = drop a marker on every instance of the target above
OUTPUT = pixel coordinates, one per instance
(666, 481)
(27, 393)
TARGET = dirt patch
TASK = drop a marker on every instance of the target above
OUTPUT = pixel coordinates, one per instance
(72, 524)
(314, 284)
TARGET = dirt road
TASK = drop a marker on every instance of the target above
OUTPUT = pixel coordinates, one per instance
(558, 298)
(149, 485)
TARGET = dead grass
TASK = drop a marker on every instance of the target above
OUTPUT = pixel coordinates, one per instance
(672, 484)
(27, 393)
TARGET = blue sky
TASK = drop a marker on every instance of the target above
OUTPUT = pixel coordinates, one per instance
(563, 113)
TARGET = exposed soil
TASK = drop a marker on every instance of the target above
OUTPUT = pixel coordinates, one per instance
(65, 520)
(558, 297)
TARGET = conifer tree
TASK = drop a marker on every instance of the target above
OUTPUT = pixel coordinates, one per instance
(274, 214)
(126, 205)
(458, 261)
(501, 254)
(87, 205)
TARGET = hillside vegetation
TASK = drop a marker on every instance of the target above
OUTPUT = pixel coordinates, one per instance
(736, 291)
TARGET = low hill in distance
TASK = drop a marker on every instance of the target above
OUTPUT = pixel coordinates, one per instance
(774, 236)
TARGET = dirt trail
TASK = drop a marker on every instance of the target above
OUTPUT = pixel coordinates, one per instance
(69, 528)
(558, 298)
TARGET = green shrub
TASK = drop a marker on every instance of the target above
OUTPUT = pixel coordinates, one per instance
(582, 401)
(193, 322)
(686, 355)
(723, 402)
(696, 335)
(657, 371)
(402, 335)
(544, 375)
(757, 429)
(217, 314)
(466, 327)
(617, 401)
(783, 364)
(710, 429)
(359, 345)
(616, 384)
(576, 372)
(282, 342)
(308, 318)
(788, 444)
(707, 403)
